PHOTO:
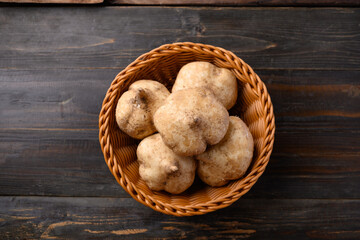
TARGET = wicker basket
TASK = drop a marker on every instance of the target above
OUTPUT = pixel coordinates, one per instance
(162, 64)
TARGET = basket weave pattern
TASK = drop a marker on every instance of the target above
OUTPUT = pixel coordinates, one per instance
(162, 64)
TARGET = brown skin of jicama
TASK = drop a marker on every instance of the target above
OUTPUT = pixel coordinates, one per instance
(136, 107)
(162, 169)
(221, 81)
(230, 158)
(191, 119)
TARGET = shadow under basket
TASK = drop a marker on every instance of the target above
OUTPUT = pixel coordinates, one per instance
(162, 64)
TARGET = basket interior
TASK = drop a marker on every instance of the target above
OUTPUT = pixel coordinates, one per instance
(164, 70)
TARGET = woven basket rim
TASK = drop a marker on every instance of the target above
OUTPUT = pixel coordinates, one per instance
(244, 73)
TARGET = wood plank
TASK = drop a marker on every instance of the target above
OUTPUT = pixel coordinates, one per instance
(49, 137)
(293, 3)
(61, 163)
(67, 98)
(54, 1)
(112, 37)
(100, 218)
(304, 164)
(240, 2)
(72, 98)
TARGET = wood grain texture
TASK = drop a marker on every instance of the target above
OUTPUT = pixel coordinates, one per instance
(294, 3)
(72, 98)
(112, 37)
(304, 164)
(100, 218)
(54, 1)
(315, 155)
(57, 63)
(241, 2)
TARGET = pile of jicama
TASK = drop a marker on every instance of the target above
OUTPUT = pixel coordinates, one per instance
(188, 130)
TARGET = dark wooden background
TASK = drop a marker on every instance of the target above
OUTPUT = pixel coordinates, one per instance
(56, 64)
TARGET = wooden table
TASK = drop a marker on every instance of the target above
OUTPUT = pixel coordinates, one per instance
(56, 64)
